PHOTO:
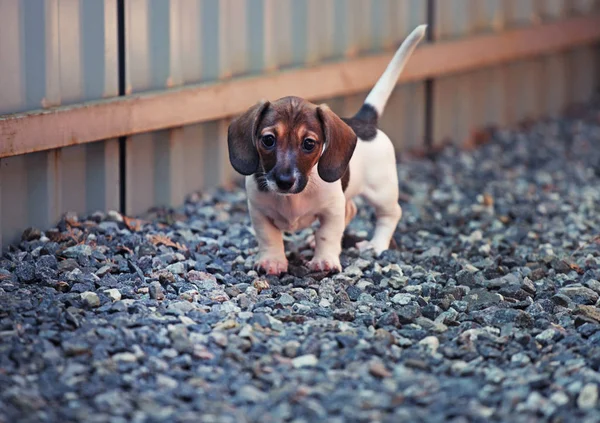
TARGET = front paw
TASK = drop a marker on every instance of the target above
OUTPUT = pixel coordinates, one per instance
(364, 246)
(369, 246)
(271, 265)
(325, 264)
(311, 241)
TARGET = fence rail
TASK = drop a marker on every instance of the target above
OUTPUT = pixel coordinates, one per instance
(134, 114)
(126, 107)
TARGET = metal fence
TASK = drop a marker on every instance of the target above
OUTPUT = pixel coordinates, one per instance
(123, 104)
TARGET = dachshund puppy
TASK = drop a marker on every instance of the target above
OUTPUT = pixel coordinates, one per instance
(302, 162)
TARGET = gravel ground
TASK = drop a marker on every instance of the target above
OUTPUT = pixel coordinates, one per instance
(488, 310)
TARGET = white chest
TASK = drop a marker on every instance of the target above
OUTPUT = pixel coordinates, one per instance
(297, 211)
(290, 213)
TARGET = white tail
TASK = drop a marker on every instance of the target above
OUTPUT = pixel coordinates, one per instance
(382, 90)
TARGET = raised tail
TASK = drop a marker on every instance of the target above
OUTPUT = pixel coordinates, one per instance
(379, 95)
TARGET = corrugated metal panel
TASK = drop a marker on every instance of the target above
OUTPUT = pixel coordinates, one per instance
(458, 99)
(168, 44)
(43, 64)
(507, 94)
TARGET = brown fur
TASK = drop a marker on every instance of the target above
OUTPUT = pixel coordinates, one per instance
(241, 139)
(291, 120)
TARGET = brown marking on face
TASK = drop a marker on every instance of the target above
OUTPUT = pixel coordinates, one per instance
(290, 136)
(290, 120)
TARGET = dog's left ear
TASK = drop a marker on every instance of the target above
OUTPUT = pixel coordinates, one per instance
(340, 141)
(241, 139)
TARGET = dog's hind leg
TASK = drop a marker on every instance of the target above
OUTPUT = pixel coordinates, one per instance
(388, 213)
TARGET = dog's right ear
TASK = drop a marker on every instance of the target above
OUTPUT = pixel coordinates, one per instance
(241, 139)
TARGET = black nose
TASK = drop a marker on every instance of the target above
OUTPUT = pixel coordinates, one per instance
(285, 181)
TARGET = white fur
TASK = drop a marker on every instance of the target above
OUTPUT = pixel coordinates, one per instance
(373, 174)
(382, 90)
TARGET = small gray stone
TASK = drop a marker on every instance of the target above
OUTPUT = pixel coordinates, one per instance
(251, 394)
(114, 294)
(432, 252)
(559, 398)
(593, 284)
(114, 216)
(166, 382)
(431, 343)
(580, 294)
(286, 299)
(155, 290)
(402, 299)
(528, 286)
(408, 313)
(290, 349)
(388, 319)
(547, 336)
(502, 317)
(219, 338)
(308, 360)
(25, 272)
(91, 299)
(77, 250)
(181, 306)
(176, 268)
(588, 397)
(398, 282)
(125, 357)
(447, 317)
(482, 298)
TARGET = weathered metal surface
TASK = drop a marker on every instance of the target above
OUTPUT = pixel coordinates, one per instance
(192, 103)
(521, 90)
(43, 64)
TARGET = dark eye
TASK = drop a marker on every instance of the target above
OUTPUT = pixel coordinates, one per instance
(308, 144)
(268, 140)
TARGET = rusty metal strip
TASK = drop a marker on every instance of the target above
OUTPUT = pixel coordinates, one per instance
(112, 118)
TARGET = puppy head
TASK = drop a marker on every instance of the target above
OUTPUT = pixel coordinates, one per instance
(281, 142)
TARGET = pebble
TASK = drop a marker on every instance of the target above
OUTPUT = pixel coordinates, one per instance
(402, 299)
(547, 336)
(308, 360)
(25, 272)
(286, 299)
(290, 349)
(251, 394)
(176, 268)
(91, 299)
(431, 343)
(76, 251)
(580, 294)
(125, 357)
(588, 397)
(378, 369)
(114, 294)
(156, 292)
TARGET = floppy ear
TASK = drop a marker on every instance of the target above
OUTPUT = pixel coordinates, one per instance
(340, 141)
(241, 139)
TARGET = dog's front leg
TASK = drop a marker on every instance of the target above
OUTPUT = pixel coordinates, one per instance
(328, 240)
(271, 253)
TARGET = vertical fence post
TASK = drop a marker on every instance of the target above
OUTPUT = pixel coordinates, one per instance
(122, 82)
(429, 83)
